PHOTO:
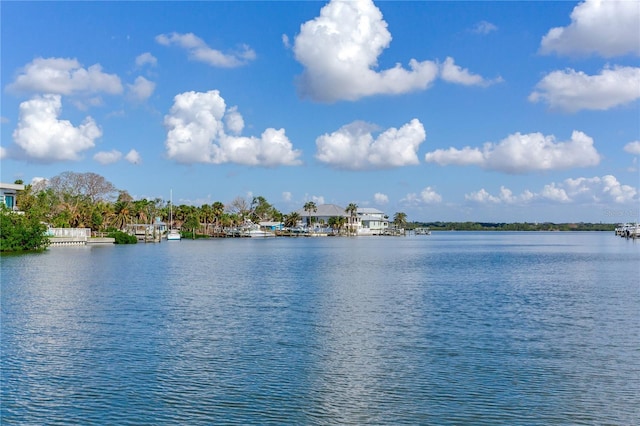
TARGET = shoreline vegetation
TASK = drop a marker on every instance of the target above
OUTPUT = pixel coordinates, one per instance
(88, 200)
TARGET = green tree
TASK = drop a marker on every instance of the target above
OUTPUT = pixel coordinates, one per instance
(21, 232)
(352, 211)
(309, 207)
(337, 223)
(191, 222)
(400, 219)
(291, 220)
(218, 211)
(122, 214)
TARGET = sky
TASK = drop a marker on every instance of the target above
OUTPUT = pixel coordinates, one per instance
(446, 111)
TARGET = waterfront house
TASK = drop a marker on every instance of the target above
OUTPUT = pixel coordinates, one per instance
(367, 221)
(8, 193)
(372, 221)
(320, 218)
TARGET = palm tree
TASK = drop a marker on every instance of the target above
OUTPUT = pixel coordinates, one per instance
(121, 214)
(292, 220)
(218, 211)
(206, 214)
(309, 207)
(352, 210)
(400, 219)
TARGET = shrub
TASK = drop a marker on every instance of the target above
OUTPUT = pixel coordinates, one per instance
(21, 233)
(122, 237)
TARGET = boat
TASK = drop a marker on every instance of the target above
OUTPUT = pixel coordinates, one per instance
(422, 231)
(173, 234)
(254, 230)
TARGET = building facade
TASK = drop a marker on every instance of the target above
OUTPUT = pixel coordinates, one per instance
(8, 194)
(372, 221)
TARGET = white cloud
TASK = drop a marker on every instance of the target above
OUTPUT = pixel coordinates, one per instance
(633, 147)
(554, 193)
(197, 134)
(582, 190)
(44, 137)
(64, 77)
(318, 199)
(520, 153)
(285, 41)
(133, 157)
(427, 196)
(353, 146)
(199, 51)
(146, 59)
(287, 196)
(234, 121)
(380, 199)
(606, 28)
(3, 153)
(107, 157)
(4, 120)
(141, 89)
(572, 91)
(452, 73)
(484, 27)
(481, 196)
(339, 51)
(505, 196)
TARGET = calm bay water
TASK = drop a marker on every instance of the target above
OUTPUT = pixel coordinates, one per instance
(452, 328)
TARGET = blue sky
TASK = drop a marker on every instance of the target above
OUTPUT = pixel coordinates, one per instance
(487, 111)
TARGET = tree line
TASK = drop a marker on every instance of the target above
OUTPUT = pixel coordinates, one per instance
(88, 200)
(517, 226)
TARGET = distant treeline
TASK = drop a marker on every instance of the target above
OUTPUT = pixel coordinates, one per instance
(525, 226)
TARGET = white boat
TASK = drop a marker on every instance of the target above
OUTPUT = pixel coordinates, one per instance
(254, 230)
(173, 234)
(422, 231)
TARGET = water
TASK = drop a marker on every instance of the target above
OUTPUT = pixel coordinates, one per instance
(453, 328)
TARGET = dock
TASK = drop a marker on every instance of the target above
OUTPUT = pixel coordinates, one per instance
(61, 237)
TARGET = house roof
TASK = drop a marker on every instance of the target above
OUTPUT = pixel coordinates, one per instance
(324, 210)
(13, 186)
(369, 210)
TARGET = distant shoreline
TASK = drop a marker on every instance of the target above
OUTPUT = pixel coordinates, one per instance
(516, 226)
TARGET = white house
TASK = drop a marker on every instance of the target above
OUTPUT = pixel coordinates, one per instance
(368, 221)
(8, 193)
(372, 221)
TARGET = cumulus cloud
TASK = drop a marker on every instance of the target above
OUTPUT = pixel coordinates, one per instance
(64, 77)
(133, 157)
(43, 137)
(604, 189)
(603, 27)
(427, 196)
(523, 153)
(3, 153)
(353, 146)
(452, 73)
(505, 196)
(287, 196)
(141, 89)
(339, 51)
(572, 91)
(107, 157)
(380, 198)
(196, 133)
(633, 147)
(318, 199)
(146, 59)
(484, 27)
(198, 50)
